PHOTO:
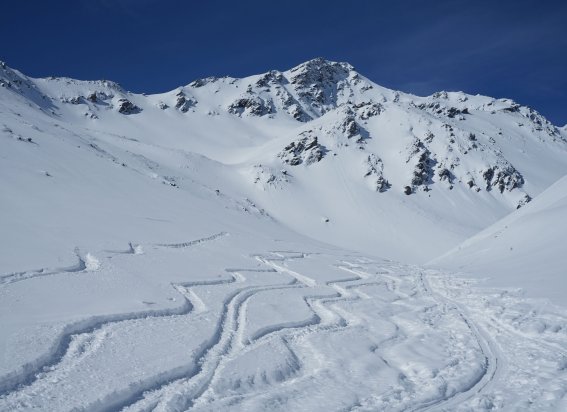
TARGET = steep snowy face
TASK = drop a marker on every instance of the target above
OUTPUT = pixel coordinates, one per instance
(322, 85)
(446, 139)
(321, 148)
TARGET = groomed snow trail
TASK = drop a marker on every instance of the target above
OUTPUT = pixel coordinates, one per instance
(305, 330)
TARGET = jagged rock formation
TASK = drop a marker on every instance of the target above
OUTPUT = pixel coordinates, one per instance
(125, 106)
(305, 150)
(375, 172)
(184, 103)
(252, 105)
(504, 177)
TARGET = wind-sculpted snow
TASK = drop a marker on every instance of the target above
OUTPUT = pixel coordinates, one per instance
(312, 329)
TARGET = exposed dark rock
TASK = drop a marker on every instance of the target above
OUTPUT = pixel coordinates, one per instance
(374, 170)
(423, 172)
(446, 175)
(298, 113)
(183, 103)
(429, 137)
(201, 82)
(291, 105)
(524, 201)
(367, 110)
(253, 105)
(349, 127)
(271, 78)
(304, 150)
(125, 106)
(440, 95)
(514, 108)
(438, 109)
(318, 83)
(504, 177)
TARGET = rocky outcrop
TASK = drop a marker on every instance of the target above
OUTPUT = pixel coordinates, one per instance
(502, 177)
(375, 172)
(366, 110)
(524, 201)
(423, 171)
(252, 105)
(318, 83)
(184, 103)
(305, 150)
(125, 106)
(202, 82)
(439, 110)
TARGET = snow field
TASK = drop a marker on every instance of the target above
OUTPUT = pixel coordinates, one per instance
(314, 330)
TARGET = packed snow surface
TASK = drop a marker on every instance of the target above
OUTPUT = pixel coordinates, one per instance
(256, 244)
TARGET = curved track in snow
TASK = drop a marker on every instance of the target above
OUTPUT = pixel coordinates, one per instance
(435, 349)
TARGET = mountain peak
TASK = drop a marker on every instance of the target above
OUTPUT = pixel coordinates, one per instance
(320, 64)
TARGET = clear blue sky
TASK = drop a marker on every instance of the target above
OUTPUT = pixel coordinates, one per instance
(501, 48)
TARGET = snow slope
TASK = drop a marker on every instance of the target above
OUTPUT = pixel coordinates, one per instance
(526, 248)
(320, 132)
(216, 247)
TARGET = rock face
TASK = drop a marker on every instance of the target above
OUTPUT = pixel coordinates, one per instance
(374, 172)
(184, 103)
(437, 109)
(305, 150)
(125, 106)
(423, 171)
(504, 177)
(366, 110)
(251, 105)
(319, 82)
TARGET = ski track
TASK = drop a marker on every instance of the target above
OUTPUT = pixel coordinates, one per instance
(192, 242)
(484, 341)
(25, 275)
(93, 326)
(29, 372)
(185, 393)
(325, 318)
(80, 266)
(193, 385)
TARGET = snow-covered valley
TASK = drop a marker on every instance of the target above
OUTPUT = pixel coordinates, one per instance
(298, 240)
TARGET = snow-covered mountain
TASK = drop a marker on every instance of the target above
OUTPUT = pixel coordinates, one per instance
(320, 148)
(227, 246)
